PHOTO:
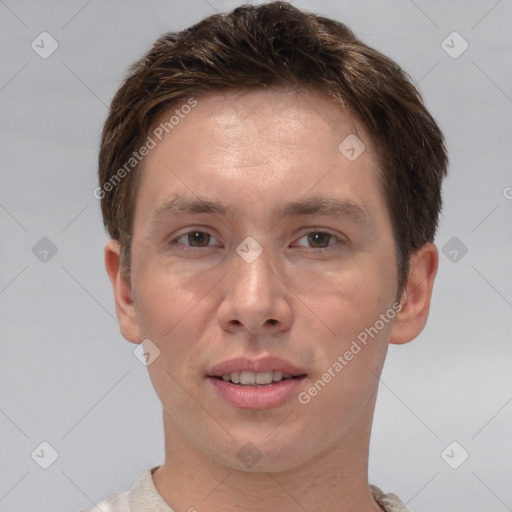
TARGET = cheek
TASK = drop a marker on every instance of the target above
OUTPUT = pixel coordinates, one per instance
(175, 307)
(349, 362)
(170, 315)
(352, 339)
(168, 295)
(346, 301)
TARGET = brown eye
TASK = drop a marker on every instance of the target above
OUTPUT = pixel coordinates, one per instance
(319, 239)
(198, 238)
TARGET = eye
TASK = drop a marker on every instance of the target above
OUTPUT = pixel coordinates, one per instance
(195, 239)
(320, 239)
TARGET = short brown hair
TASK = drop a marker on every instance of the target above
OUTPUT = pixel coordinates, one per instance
(278, 45)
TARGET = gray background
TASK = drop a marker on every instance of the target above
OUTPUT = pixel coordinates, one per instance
(67, 375)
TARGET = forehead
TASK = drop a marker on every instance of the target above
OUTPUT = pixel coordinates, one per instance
(257, 146)
(279, 116)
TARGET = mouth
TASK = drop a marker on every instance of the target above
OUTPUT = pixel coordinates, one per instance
(257, 379)
(256, 384)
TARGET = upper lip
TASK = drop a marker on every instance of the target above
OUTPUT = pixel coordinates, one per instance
(263, 364)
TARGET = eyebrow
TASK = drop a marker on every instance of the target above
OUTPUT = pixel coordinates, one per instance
(318, 205)
(178, 204)
(328, 206)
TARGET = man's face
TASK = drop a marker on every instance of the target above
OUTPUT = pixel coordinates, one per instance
(262, 165)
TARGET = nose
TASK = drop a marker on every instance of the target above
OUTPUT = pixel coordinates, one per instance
(255, 298)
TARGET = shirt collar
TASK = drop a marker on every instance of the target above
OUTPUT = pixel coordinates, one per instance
(144, 496)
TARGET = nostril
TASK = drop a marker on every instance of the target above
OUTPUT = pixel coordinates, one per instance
(271, 321)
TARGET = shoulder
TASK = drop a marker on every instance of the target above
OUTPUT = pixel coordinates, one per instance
(142, 493)
(116, 503)
(388, 502)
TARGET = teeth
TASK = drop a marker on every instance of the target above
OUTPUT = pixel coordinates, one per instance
(264, 377)
(246, 378)
(278, 376)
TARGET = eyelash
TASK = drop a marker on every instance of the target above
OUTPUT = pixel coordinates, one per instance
(337, 239)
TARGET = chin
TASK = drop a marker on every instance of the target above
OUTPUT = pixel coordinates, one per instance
(261, 453)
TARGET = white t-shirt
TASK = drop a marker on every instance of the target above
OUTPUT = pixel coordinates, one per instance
(143, 497)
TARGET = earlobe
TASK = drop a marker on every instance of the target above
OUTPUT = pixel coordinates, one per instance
(415, 300)
(125, 308)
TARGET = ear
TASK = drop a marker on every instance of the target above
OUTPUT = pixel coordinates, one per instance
(415, 301)
(125, 308)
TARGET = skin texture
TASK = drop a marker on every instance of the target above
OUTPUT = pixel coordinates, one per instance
(304, 299)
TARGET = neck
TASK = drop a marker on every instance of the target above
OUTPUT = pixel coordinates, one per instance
(333, 481)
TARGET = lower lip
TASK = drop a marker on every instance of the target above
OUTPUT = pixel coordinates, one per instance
(257, 397)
